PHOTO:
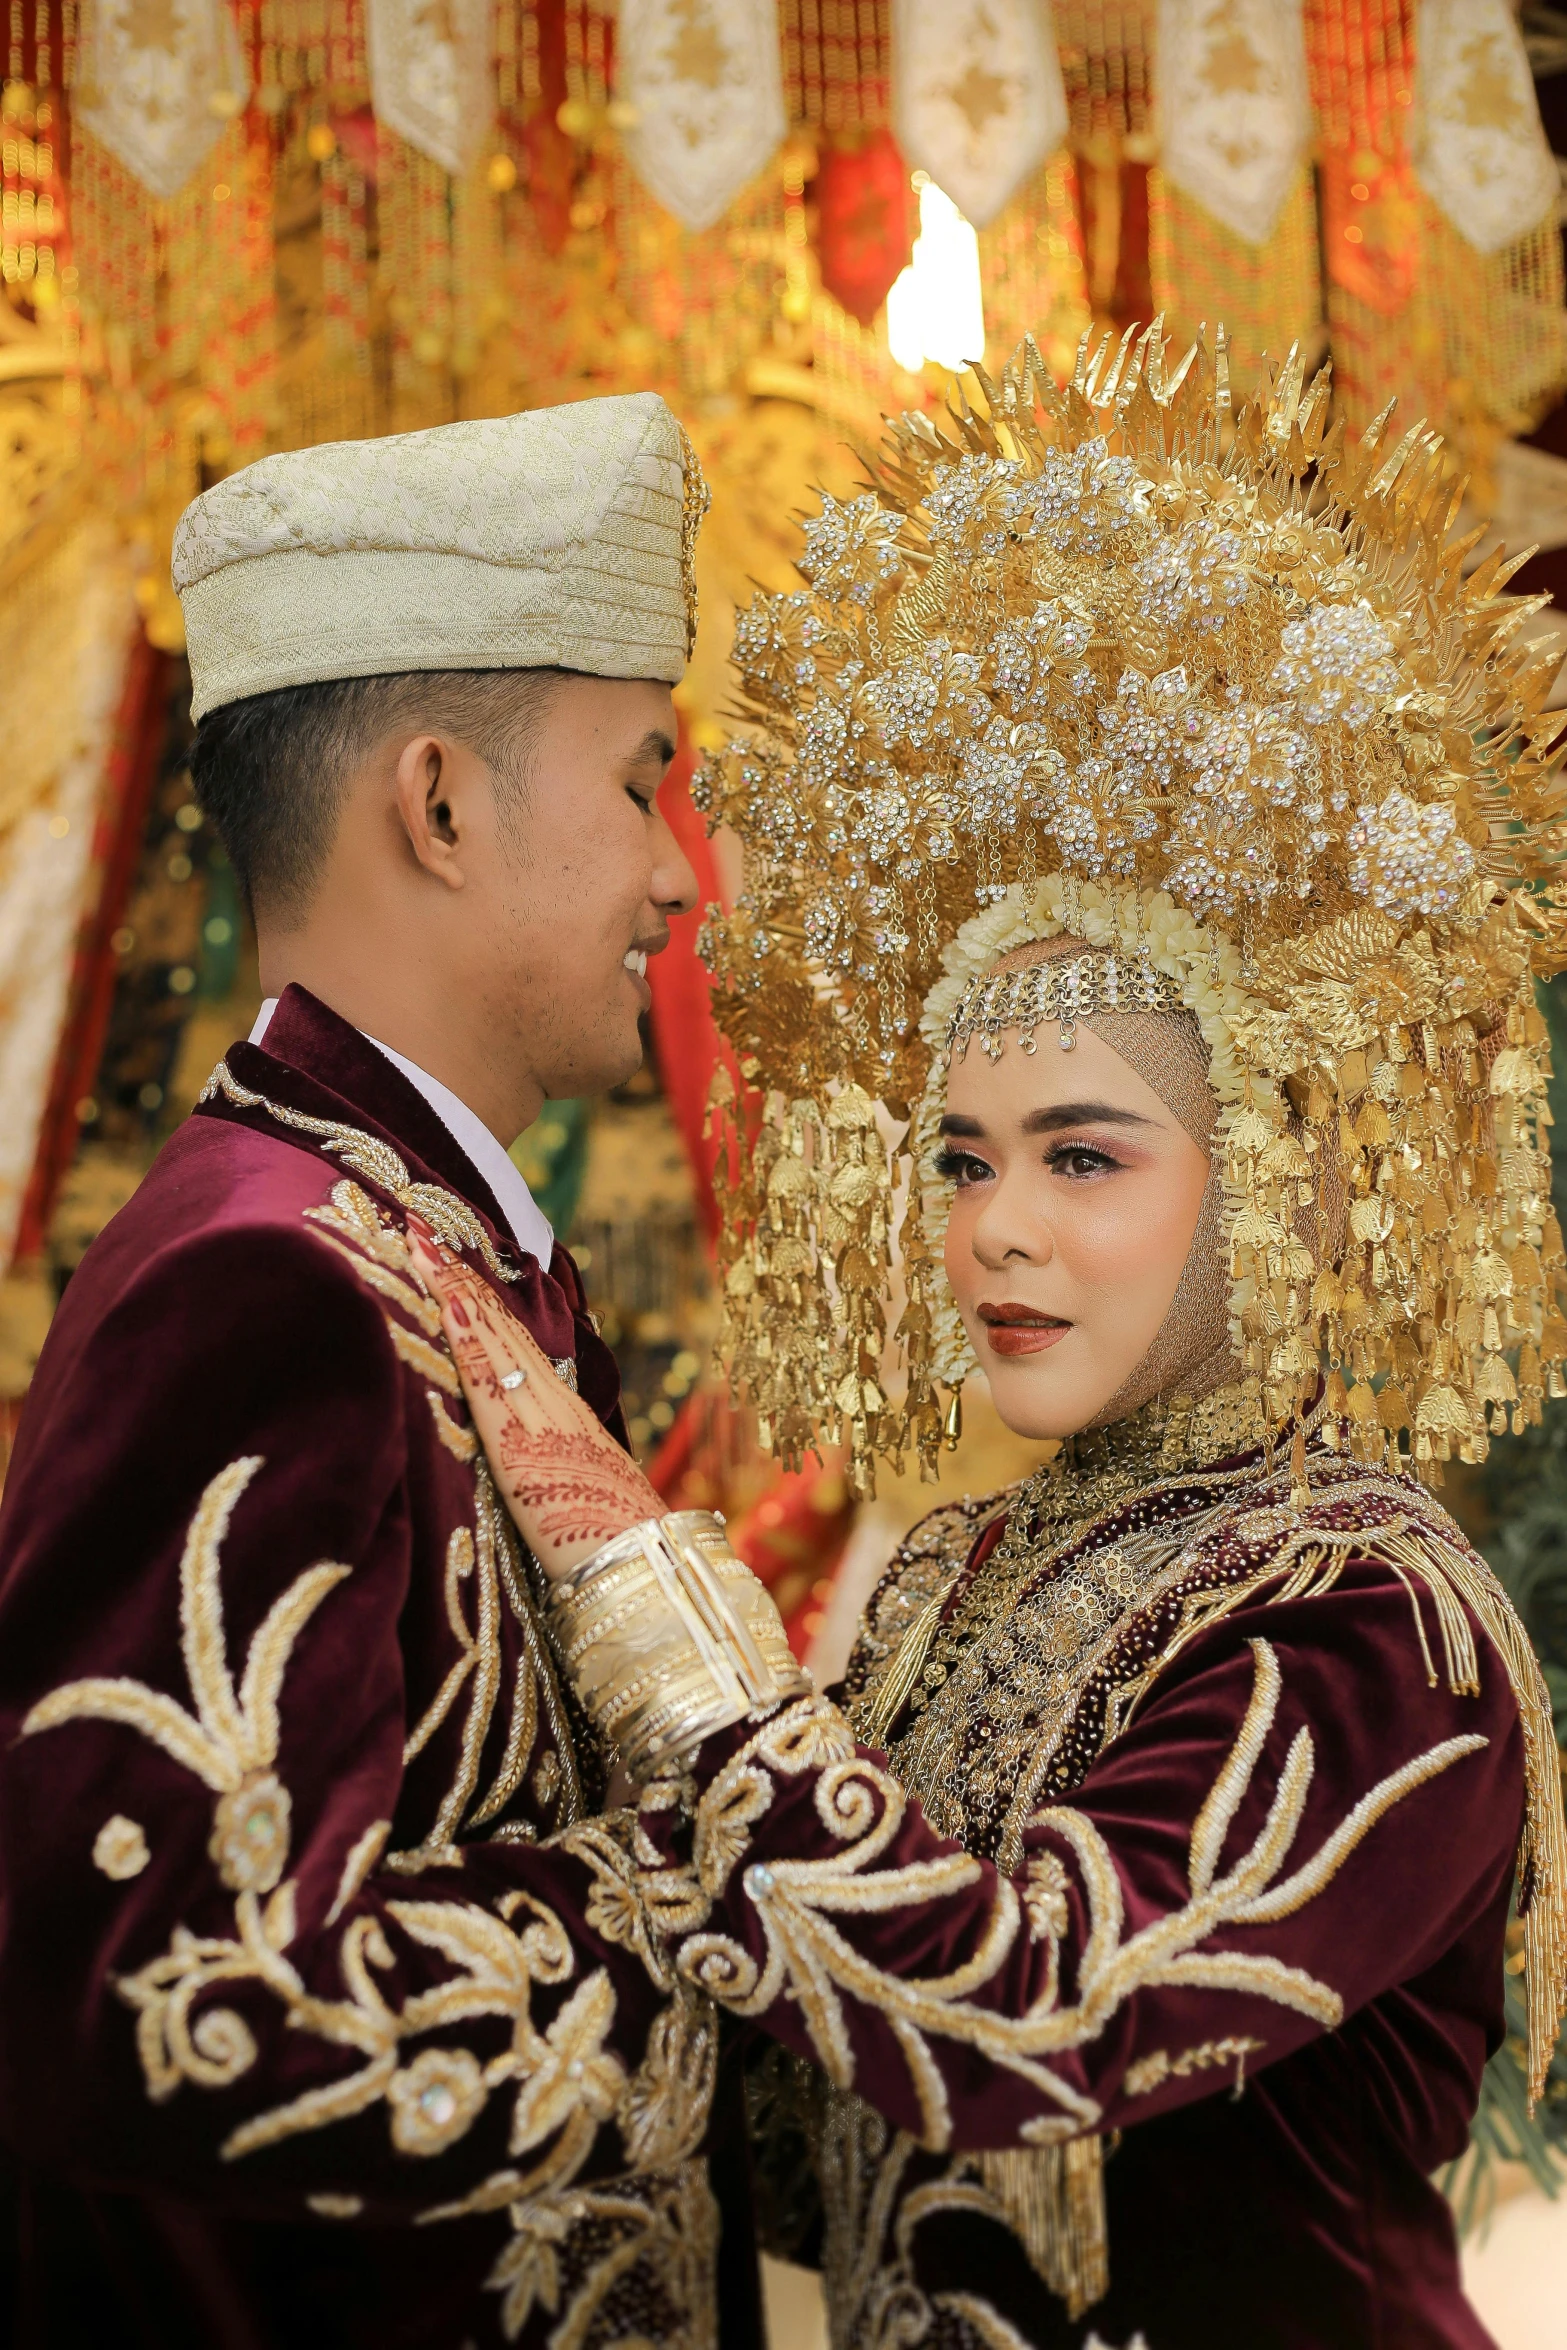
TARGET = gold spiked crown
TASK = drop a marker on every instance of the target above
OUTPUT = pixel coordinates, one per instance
(1211, 692)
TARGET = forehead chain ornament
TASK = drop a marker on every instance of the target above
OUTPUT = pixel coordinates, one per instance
(1065, 990)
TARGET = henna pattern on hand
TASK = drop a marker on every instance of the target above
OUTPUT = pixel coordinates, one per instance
(573, 1488)
(565, 1479)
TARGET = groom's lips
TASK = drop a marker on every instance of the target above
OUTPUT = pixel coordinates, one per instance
(1021, 1330)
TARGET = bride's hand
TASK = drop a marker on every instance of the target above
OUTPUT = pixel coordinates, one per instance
(569, 1486)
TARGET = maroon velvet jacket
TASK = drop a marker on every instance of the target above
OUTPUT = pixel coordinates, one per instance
(307, 1931)
(1255, 1800)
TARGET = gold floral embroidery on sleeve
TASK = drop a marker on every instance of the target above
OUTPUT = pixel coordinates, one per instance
(797, 1903)
(568, 2080)
(1152, 2071)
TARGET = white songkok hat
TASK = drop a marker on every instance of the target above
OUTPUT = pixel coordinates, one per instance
(559, 538)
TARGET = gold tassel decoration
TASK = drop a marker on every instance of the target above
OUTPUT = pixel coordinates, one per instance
(342, 390)
(1503, 332)
(115, 248)
(1053, 2200)
(1542, 1855)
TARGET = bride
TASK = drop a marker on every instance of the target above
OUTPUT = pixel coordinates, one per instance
(1135, 1918)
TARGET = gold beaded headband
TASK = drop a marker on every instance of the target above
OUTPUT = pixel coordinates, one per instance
(1064, 990)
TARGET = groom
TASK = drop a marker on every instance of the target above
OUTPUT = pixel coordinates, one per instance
(328, 2011)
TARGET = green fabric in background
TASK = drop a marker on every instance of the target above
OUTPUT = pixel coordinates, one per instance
(551, 1155)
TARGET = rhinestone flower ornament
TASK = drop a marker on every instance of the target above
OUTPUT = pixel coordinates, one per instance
(1224, 682)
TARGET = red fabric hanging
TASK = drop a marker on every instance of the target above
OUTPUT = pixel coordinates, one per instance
(866, 219)
(685, 1037)
(793, 1534)
(549, 154)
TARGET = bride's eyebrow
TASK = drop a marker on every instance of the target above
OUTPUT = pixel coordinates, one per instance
(1064, 1114)
(1051, 1121)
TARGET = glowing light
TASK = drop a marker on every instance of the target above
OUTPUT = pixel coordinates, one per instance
(935, 310)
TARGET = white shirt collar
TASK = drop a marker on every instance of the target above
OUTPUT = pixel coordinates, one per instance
(530, 1226)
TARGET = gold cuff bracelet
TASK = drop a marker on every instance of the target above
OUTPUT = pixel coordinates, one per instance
(669, 1637)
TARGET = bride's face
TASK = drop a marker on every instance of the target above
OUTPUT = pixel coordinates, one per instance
(1076, 1193)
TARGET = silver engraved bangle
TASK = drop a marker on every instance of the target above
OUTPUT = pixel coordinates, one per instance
(669, 1637)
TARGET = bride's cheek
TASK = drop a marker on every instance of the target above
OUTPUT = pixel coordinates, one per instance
(958, 1256)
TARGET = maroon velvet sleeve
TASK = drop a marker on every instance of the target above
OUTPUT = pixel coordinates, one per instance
(209, 1975)
(1295, 1821)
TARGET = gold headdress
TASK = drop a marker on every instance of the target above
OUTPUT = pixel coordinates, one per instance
(1210, 693)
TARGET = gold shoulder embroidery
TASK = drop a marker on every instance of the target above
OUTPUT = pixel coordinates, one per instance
(1418, 1541)
(375, 1162)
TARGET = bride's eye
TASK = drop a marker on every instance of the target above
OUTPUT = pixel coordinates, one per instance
(1079, 1160)
(961, 1167)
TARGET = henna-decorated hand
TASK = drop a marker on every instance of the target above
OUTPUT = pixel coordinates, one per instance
(567, 1483)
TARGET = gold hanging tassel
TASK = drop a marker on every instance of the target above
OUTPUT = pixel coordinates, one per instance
(1300, 1491)
(952, 1424)
(1542, 1855)
(1053, 2200)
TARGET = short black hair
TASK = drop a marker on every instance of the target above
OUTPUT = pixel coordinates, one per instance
(270, 771)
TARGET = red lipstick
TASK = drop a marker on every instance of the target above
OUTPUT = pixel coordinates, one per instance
(1021, 1330)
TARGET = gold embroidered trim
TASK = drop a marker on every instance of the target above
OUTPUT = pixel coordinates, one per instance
(468, 1555)
(659, 2234)
(1051, 2199)
(231, 1741)
(1094, 1472)
(516, 1579)
(363, 1233)
(1152, 2071)
(461, 1443)
(376, 1162)
(363, 1854)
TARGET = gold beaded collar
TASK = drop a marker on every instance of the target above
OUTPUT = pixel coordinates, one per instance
(1099, 1467)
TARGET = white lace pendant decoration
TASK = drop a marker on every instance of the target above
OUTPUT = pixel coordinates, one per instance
(705, 82)
(430, 75)
(1235, 108)
(158, 82)
(977, 95)
(1479, 149)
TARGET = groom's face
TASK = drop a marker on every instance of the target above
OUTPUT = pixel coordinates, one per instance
(585, 879)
